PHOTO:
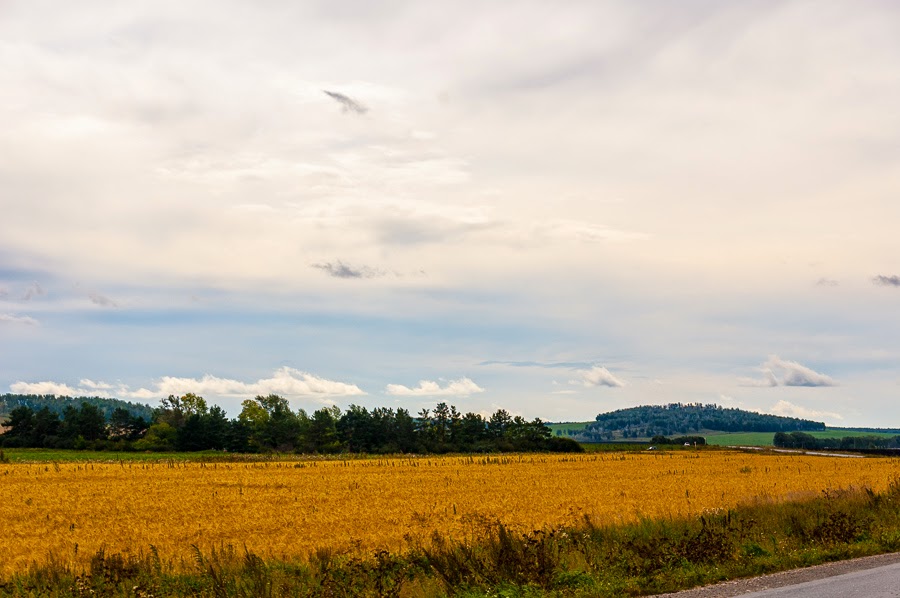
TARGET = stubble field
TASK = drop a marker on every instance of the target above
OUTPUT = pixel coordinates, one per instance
(66, 512)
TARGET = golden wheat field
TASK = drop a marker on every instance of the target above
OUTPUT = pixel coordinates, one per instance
(287, 509)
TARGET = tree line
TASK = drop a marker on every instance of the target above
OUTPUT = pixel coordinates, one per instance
(267, 423)
(802, 440)
(58, 405)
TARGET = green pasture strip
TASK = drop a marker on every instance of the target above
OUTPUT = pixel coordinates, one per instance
(602, 447)
(724, 438)
(876, 431)
(568, 427)
(739, 438)
(766, 438)
(32, 455)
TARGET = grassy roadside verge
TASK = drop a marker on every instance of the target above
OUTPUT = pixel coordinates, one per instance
(651, 556)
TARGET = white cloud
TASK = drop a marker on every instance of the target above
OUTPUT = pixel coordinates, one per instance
(13, 319)
(599, 376)
(789, 409)
(88, 383)
(286, 382)
(47, 388)
(782, 372)
(85, 388)
(426, 388)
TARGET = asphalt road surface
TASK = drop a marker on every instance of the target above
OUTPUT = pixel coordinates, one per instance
(881, 582)
(869, 577)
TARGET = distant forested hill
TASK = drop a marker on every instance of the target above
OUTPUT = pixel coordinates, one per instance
(676, 418)
(58, 405)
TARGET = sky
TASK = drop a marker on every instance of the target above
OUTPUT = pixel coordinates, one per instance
(558, 209)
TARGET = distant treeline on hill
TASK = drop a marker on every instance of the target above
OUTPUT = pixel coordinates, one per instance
(807, 441)
(686, 419)
(187, 423)
(58, 405)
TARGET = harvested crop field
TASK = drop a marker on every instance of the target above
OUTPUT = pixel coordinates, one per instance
(288, 509)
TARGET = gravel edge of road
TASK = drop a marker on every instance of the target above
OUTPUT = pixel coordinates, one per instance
(737, 587)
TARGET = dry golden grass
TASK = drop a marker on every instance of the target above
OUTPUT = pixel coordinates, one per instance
(287, 509)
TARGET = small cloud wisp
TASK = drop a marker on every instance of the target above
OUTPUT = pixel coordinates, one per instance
(33, 291)
(348, 103)
(102, 300)
(339, 269)
(13, 319)
(886, 281)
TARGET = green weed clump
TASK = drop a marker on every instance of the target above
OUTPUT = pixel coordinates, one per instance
(650, 556)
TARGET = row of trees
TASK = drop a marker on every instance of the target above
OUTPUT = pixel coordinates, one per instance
(75, 428)
(679, 440)
(802, 440)
(267, 423)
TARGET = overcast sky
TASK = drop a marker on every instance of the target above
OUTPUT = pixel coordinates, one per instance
(557, 208)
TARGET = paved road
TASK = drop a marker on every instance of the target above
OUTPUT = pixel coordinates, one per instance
(871, 577)
(881, 582)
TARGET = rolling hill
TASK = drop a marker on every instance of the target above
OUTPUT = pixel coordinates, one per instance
(647, 421)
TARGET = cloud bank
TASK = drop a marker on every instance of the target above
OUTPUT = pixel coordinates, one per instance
(286, 382)
(427, 388)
